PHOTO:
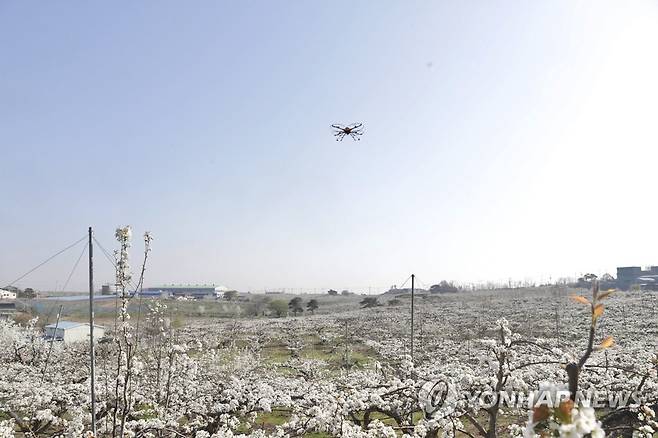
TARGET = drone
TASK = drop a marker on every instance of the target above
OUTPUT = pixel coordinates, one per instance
(355, 130)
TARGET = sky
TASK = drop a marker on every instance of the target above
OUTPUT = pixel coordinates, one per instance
(507, 139)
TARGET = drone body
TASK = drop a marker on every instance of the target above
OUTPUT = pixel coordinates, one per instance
(355, 130)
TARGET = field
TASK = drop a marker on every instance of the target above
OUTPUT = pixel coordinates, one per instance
(223, 369)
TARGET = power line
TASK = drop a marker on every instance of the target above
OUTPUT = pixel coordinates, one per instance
(405, 282)
(105, 252)
(112, 261)
(84, 250)
(46, 261)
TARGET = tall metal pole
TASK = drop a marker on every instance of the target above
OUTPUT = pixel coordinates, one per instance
(92, 357)
(347, 354)
(412, 317)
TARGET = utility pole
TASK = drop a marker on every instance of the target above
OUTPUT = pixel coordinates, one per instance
(92, 357)
(347, 354)
(412, 317)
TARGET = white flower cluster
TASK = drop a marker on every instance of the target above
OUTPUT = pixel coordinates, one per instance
(578, 422)
(7, 429)
(647, 416)
(224, 378)
(123, 236)
(583, 422)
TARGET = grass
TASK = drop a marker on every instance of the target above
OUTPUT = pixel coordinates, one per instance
(360, 356)
(269, 420)
(275, 418)
(501, 425)
(144, 412)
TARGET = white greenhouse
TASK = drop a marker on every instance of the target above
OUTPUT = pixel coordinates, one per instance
(69, 331)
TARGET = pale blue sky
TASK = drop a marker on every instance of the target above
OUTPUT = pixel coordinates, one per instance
(526, 149)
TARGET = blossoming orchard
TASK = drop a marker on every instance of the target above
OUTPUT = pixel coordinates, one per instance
(539, 362)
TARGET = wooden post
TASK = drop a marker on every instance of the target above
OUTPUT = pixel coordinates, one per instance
(92, 357)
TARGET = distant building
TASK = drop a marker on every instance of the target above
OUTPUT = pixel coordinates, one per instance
(7, 294)
(197, 291)
(155, 293)
(7, 309)
(107, 289)
(68, 331)
(635, 275)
